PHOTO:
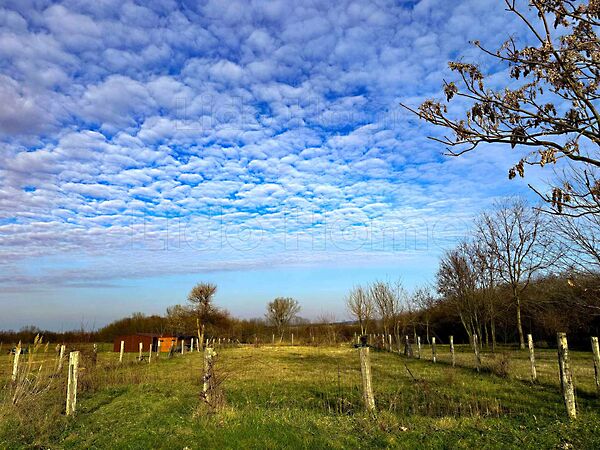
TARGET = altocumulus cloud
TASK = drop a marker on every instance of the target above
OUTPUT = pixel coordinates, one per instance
(154, 138)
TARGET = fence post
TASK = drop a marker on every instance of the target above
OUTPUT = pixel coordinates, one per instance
(292, 339)
(409, 350)
(61, 355)
(209, 353)
(273, 340)
(452, 351)
(141, 346)
(596, 352)
(477, 355)
(121, 353)
(566, 376)
(150, 353)
(433, 350)
(365, 371)
(418, 347)
(15, 370)
(531, 358)
(389, 342)
(72, 382)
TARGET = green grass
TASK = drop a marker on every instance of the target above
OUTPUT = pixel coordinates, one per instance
(310, 397)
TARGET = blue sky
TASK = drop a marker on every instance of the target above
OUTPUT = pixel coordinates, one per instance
(259, 145)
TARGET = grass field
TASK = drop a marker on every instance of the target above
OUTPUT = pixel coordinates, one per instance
(309, 397)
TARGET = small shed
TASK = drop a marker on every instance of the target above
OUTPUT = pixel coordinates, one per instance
(132, 342)
(166, 342)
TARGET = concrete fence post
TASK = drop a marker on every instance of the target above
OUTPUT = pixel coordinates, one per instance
(531, 358)
(566, 376)
(121, 353)
(596, 353)
(61, 357)
(452, 351)
(15, 370)
(72, 383)
(477, 354)
(365, 371)
(409, 349)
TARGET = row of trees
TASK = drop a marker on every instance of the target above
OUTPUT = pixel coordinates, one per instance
(510, 247)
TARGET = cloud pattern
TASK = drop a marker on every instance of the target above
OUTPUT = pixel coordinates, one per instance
(144, 139)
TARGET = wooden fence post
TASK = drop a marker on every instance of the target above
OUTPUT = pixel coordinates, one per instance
(149, 352)
(418, 347)
(452, 351)
(477, 355)
(433, 350)
(292, 339)
(596, 352)
(566, 376)
(531, 358)
(273, 340)
(121, 353)
(15, 369)
(209, 353)
(72, 382)
(141, 347)
(365, 371)
(389, 342)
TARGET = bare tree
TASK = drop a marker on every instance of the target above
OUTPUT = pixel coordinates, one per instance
(386, 301)
(201, 298)
(360, 305)
(548, 104)
(516, 236)
(582, 238)
(328, 322)
(280, 313)
(485, 265)
(457, 281)
(424, 300)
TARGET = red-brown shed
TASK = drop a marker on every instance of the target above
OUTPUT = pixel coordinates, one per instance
(132, 342)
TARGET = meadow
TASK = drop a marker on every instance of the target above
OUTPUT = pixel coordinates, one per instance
(304, 397)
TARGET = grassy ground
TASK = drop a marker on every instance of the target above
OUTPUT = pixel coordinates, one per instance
(310, 397)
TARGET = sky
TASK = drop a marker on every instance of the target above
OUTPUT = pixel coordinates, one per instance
(147, 146)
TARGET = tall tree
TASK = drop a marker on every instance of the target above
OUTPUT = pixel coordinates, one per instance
(457, 281)
(201, 299)
(360, 305)
(517, 237)
(548, 104)
(424, 300)
(387, 304)
(280, 312)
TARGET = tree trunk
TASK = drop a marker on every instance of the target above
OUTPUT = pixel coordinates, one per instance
(493, 331)
(200, 333)
(519, 324)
